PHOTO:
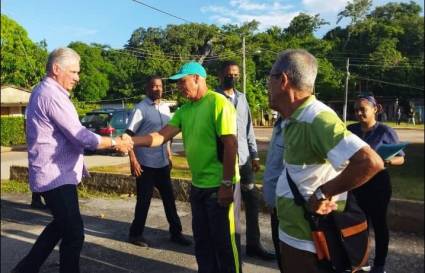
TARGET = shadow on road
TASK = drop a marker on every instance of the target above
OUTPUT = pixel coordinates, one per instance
(98, 257)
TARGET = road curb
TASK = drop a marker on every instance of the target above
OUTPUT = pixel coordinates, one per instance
(403, 215)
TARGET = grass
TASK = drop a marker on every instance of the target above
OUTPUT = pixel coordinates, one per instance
(407, 180)
(180, 168)
(403, 125)
(8, 186)
(13, 186)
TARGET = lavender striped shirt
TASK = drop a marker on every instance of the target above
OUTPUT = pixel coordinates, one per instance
(55, 138)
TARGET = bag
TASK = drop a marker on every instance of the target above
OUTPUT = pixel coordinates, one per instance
(341, 239)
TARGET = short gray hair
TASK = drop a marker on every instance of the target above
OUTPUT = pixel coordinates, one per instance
(300, 67)
(62, 56)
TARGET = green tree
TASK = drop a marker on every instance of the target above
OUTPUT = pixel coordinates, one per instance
(356, 11)
(304, 25)
(22, 61)
(94, 83)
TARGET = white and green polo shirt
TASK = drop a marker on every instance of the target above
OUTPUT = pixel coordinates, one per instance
(317, 148)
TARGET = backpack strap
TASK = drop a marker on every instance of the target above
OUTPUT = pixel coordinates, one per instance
(300, 201)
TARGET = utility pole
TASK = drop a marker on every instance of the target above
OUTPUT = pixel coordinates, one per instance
(243, 65)
(346, 91)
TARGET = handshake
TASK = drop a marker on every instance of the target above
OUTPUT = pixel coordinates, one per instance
(123, 144)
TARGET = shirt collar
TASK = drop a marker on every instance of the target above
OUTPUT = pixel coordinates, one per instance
(304, 105)
(52, 81)
(221, 91)
(149, 101)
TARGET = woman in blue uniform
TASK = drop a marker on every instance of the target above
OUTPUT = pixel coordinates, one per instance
(374, 196)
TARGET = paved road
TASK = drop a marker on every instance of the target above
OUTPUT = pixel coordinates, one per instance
(106, 250)
(263, 134)
(409, 135)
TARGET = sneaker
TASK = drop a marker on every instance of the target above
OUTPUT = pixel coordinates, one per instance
(365, 268)
(180, 240)
(378, 269)
(138, 241)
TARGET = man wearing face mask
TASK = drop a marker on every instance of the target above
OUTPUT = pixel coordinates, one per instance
(249, 161)
(152, 166)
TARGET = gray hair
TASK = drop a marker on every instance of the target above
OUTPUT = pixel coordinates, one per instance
(62, 56)
(300, 67)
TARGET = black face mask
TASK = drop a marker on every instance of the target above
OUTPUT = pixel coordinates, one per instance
(229, 82)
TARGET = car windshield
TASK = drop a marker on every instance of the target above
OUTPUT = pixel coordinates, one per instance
(119, 120)
(97, 120)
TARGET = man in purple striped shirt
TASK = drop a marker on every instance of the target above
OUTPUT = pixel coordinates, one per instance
(56, 141)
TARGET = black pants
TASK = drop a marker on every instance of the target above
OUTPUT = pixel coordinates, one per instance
(251, 200)
(36, 197)
(67, 226)
(274, 221)
(160, 179)
(373, 198)
(217, 245)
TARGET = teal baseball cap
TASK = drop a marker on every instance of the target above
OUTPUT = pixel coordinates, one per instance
(191, 68)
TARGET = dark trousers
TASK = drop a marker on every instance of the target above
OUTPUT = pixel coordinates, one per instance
(373, 198)
(36, 197)
(160, 179)
(274, 221)
(217, 244)
(67, 226)
(251, 200)
(299, 261)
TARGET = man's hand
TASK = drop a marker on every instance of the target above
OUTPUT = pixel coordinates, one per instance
(124, 143)
(321, 207)
(256, 165)
(225, 195)
(135, 167)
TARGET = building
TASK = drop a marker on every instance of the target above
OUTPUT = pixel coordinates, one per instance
(14, 100)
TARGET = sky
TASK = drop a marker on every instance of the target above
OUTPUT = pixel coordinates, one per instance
(112, 22)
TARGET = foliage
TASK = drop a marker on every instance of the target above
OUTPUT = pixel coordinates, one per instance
(22, 61)
(12, 131)
(385, 45)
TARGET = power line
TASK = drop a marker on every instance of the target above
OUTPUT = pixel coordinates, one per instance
(164, 12)
(398, 66)
(119, 99)
(390, 83)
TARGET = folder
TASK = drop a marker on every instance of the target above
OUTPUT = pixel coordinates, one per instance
(388, 151)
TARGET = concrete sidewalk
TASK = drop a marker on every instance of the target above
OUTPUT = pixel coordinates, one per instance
(106, 250)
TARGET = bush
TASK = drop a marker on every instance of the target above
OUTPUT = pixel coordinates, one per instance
(12, 131)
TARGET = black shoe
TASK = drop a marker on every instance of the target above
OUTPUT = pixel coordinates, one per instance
(259, 252)
(38, 205)
(180, 240)
(138, 241)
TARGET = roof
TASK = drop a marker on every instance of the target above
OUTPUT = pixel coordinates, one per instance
(11, 95)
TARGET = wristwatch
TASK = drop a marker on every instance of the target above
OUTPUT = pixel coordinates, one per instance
(319, 194)
(227, 183)
(113, 142)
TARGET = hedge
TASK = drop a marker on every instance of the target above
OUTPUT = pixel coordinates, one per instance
(12, 131)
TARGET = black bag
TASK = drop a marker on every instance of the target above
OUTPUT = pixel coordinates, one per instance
(341, 238)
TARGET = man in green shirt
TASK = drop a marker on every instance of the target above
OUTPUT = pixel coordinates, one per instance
(208, 126)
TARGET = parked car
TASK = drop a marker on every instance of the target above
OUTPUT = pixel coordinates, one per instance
(107, 122)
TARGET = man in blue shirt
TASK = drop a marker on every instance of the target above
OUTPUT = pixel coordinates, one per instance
(274, 168)
(249, 162)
